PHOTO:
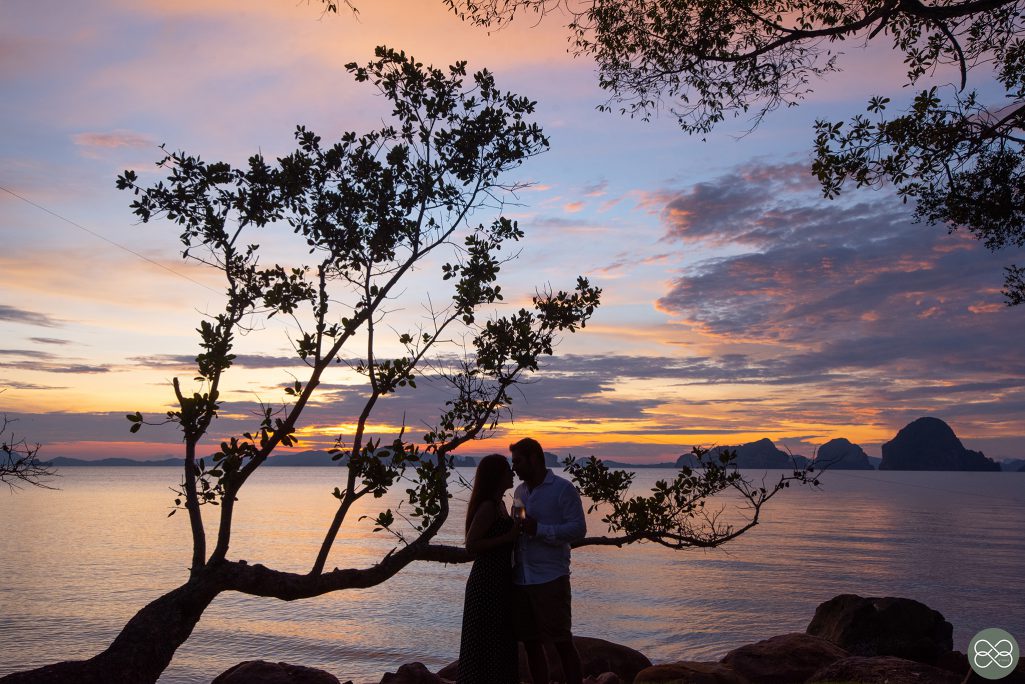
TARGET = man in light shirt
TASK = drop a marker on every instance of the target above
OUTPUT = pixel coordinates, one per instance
(554, 519)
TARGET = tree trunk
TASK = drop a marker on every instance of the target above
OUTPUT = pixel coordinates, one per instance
(147, 643)
(145, 646)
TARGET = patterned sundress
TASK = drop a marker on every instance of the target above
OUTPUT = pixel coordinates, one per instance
(488, 648)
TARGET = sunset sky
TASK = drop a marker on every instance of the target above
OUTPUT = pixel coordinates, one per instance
(738, 303)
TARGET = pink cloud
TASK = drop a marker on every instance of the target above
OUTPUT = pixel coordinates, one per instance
(113, 139)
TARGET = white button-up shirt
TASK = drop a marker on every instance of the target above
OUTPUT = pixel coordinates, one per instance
(555, 504)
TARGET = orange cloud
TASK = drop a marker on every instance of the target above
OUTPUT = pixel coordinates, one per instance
(986, 307)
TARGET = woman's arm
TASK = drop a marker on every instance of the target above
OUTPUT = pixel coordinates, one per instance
(482, 521)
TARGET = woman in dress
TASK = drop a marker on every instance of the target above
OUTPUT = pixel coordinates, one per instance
(488, 649)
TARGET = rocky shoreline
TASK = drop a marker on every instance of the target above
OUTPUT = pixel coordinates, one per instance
(850, 640)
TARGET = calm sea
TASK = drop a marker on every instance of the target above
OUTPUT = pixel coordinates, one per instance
(75, 564)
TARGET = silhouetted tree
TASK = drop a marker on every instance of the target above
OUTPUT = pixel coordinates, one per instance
(957, 153)
(19, 463)
(369, 208)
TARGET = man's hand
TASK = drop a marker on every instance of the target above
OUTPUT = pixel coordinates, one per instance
(529, 526)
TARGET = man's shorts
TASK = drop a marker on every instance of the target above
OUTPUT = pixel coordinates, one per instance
(543, 612)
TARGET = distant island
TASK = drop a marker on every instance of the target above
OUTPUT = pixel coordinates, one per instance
(842, 454)
(65, 462)
(762, 454)
(315, 458)
(923, 444)
(930, 444)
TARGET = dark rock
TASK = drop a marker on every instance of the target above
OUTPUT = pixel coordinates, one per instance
(597, 657)
(884, 627)
(1016, 677)
(957, 662)
(954, 661)
(761, 454)
(263, 672)
(451, 670)
(414, 673)
(783, 659)
(883, 670)
(689, 673)
(841, 454)
(604, 678)
(930, 444)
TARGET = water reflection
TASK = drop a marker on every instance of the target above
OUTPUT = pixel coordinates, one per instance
(87, 557)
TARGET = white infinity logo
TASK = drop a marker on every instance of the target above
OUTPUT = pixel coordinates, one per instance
(993, 654)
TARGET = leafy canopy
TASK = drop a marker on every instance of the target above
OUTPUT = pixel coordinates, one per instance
(957, 153)
(368, 209)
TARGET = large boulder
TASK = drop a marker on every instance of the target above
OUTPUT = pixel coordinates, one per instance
(930, 444)
(263, 672)
(898, 627)
(957, 662)
(597, 657)
(604, 678)
(414, 673)
(689, 672)
(762, 454)
(883, 670)
(783, 659)
(841, 454)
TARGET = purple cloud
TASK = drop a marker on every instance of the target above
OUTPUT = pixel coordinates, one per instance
(45, 362)
(16, 315)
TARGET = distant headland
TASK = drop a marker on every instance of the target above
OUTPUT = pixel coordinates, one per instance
(923, 444)
(314, 458)
(930, 444)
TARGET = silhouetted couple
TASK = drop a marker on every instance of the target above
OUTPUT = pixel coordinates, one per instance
(518, 589)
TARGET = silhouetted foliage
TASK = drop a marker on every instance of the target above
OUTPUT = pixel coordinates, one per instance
(19, 462)
(368, 209)
(956, 153)
(683, 512)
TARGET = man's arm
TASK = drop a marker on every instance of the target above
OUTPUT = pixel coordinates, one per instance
(571, 526)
